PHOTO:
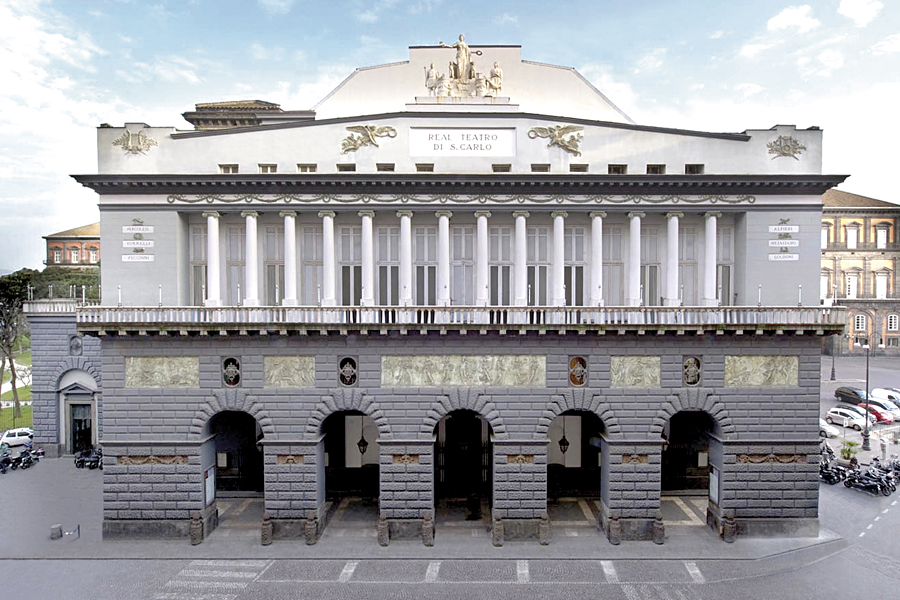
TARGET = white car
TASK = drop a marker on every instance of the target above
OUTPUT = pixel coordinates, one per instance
(841, 415)
(17, 437)
(883, 402)
(826, 430)
(892, 394)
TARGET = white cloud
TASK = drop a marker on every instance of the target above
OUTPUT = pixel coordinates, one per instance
(861, 11)
(794, 16)
(276, 7)
(174, 69)
(888, 45)
(260, 52)
(749, 89)
(697, 87)
(506, 19)
(652, 60)
(423, 6)
(369, 16)
(751, 50)
(374, 13)
(619, 93)
(831, 59)
(717, 34)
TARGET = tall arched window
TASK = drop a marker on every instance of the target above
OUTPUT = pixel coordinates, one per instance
(859, 323)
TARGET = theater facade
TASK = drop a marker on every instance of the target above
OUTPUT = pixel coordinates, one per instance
(461, 278)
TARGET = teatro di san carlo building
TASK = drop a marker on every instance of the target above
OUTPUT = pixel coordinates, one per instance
(463, 284)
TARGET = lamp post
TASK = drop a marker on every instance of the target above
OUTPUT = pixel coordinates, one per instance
(865, 437)
(833, 350)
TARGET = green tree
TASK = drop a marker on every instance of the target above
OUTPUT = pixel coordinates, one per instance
(13, 292)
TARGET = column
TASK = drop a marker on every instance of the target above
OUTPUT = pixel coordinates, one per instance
(443, 251)
(520, 264)
(290, 258)
(405, 257)
(710, 297)
(558, 279)
(368, 258)
(482, 296)
(672, 296)
(597, 257)
(213, 288)
(634, 258)
(327, 296)
(251, 258)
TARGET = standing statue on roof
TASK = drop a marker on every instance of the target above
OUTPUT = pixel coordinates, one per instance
(464, 68)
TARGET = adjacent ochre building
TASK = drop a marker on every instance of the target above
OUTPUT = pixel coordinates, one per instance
(462, 278)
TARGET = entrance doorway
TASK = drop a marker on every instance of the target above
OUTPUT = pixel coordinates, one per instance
(239, 456)
(574, 471)
(80, 427)
(685, 455)
(463, 473)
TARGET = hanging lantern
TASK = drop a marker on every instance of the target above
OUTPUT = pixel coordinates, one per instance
(362, 444)
(563, 442)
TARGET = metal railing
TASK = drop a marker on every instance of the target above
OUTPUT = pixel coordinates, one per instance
(751, 316)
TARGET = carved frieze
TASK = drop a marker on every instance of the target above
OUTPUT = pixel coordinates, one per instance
(290, 371)
(457, 199)
(176, 459)
(635, 459)
(761, 371)
(785, 145)
(634, 371)
(136, 142)
(365, 135)
(566, 137)
(405, 459)
(162, 372)
(520, 459)
(289, 459)
(770, 458)
(463, 371)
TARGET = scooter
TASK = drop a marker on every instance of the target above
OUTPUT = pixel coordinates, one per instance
(830, 473)
(866, 484)
(81, 456)
(25, 459)
(95, 460)
(5, 462)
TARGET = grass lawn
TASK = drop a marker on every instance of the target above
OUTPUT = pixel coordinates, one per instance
(6, 417)
(24, 394)
(22, 358)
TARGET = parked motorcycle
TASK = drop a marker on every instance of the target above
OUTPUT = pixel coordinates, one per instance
(36, 455)
(831, 473)
(25, 459)
(81, 456)
(94, 460)
(867, 484)
(5, 462)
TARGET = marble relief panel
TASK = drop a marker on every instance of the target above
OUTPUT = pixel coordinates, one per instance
(464, 371)
(162, 372)
(761, 371)
(290, 371)
(634, 371)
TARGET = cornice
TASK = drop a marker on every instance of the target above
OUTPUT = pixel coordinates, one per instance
(436, 184)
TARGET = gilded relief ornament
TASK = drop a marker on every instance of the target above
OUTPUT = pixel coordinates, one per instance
(785, 145)
(691, 371)
(135, 142)
(577, 371)
(366, 135)
(557, 135)
(347, 372)
(231, 372)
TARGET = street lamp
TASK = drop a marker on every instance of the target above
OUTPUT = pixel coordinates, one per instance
(865, 439)
(833, 350)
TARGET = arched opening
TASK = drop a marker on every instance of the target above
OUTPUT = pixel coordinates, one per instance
(351, 458)
(78, 423)
(691, 460)
(574, 469)
(238, 454)
(463, 467)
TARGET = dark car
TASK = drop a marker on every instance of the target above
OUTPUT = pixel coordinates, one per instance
(849, 394)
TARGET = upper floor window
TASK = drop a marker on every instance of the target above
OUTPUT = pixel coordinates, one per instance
(94, 255)
(852, 285)
(656, 169)
(384, 167)
(306, 168)
(75, 255)
(346, 167)
(881, 238)
(425, 167)
(501, 168)
(540, 168)
(268, 168)
(881, 285)
(824, 238)
(578, 168)
(617, 169)
(695, 169)
(893, 323)
(859, 323)
(228, 169)
(852, 237)
(57, 256)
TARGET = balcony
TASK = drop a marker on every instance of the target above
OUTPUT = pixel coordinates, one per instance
(194, 320)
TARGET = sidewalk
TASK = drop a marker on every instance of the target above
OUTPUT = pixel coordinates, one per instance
(54, 491)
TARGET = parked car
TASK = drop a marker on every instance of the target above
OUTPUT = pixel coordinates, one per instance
(826, 430)
(881, 415)
(841, 415)
(849, 394)
(892, 394)
(861, 411)
(17, 437)
(887, 405)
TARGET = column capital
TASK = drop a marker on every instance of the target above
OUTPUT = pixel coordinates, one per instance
(712, 214)
(288, 213)
(482, 213)
(675, 214)
(404, 213)
(598, 213)
(367, 213)
(326, 213)
(638, 214)
(521, 213)
(443, 213)
(559, 213)
(249, 213)
(211, 213)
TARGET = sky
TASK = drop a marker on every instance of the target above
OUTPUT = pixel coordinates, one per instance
(66, 66)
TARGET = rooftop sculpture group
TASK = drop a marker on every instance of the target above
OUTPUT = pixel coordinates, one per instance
(462, 79)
